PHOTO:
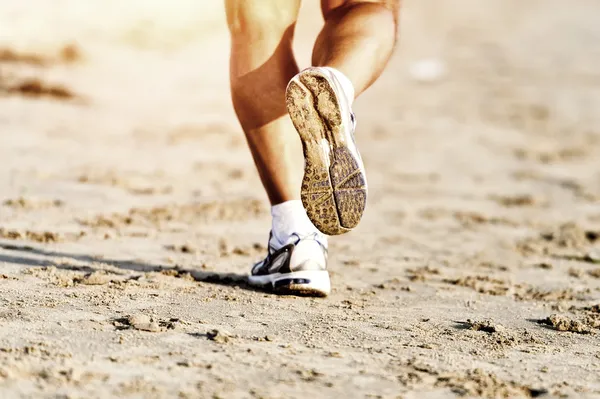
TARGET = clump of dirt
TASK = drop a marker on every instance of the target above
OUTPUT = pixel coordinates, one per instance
(591, 315)
(184, 248)
(33, 87)
(517, 200)
(497, 337)
(8, 55)
(525, 292)
(219, 336)
(522, 291)
(486, 326)
(62, 278)
(70, 277)
(421, 273)
(593, 320)
(594, 272)
(590, 257)
(563, 323)
(69, 53)
(178, 273)
(479, 383)
(592, 309)
(568, 236)
(575, 272)
(99, 277)
(548, 157)
(31, 204)
(40, 350)
(42, 237)
(470, 383)
(309, 374)
(474, 218)
(482, 284)
(493, 266)
(394, 284)
(142, 322)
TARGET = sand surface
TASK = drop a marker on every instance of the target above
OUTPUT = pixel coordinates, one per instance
(131, 212)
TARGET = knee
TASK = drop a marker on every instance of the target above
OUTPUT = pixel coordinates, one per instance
(260, 19)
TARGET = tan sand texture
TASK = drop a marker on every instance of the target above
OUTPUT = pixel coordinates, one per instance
(131, 212)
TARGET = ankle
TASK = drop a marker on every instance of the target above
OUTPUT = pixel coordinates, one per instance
(289, 220)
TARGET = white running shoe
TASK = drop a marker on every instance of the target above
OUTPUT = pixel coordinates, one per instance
(298, 268)
(334, 188)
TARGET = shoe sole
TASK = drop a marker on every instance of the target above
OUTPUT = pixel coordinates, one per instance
(302, 283)
(334, 187)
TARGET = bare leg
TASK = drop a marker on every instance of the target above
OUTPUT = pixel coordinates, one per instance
(354, 46)
(261, 64)
(358, 38)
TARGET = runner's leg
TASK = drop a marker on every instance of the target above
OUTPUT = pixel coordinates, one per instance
(358, 38)
(350, 53)
(261, 64)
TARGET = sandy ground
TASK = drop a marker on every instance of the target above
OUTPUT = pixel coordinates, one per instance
(131, 211)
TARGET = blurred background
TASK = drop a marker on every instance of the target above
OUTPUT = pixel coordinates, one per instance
(119, 144)
(496, 95)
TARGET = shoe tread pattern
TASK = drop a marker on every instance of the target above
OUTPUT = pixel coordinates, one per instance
(334, 189)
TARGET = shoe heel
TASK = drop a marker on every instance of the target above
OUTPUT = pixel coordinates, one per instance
(306, 283)
(349, 188)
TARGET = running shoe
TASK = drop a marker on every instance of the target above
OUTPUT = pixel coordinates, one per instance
(297, 268)
(334, 188)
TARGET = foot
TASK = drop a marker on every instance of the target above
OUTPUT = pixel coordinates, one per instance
(297, 268)
(334, 189)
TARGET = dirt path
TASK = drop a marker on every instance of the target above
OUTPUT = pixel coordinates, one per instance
(130, 212)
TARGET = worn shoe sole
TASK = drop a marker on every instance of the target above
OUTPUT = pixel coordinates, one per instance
(334, 188)
(302, 283)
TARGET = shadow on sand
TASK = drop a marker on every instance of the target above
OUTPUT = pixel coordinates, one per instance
(225, 279)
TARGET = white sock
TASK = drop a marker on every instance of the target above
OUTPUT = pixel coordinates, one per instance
(288, 218)
(345, 82)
